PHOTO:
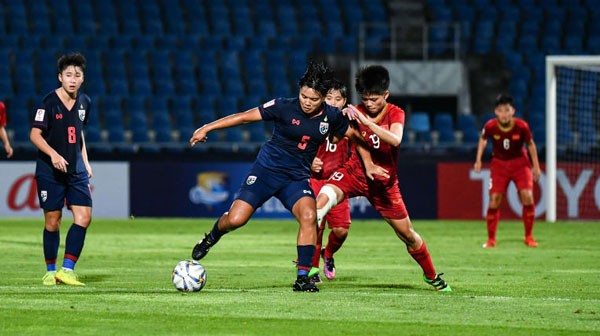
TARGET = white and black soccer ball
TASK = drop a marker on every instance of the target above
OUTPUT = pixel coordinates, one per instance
(189, 276)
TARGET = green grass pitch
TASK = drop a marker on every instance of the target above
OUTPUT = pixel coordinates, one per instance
(510, 290)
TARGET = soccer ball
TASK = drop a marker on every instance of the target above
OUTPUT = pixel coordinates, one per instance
(189, 276)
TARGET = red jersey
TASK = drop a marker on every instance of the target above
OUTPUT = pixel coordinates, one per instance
(333, 156)
(2, 114)
(507, 145)
(382, 153)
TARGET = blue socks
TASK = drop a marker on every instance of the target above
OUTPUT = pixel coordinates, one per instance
(74, 245)
(51, 241)
(305, 255)
(215, 233)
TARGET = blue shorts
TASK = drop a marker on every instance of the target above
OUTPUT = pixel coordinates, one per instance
(54, 190)
(261, 184)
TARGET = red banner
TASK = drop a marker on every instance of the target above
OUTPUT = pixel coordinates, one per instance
(463, 194)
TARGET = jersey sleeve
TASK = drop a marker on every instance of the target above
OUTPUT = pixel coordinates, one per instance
(341, 122)
(397, 116)
(41, 118)
(486, 129)
(271, 110)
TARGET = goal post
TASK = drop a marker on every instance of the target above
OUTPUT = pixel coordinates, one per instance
(571, 92)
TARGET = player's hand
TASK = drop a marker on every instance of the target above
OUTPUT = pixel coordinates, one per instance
(198, 136)
(537, 173)
(317, 165)
(374, 171)
(59, 163)
(88, 168)
(354, 114)
(9, 151)
(477, 166)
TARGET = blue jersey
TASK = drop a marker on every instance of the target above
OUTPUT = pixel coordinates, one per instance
(61, 128)
(297, 135)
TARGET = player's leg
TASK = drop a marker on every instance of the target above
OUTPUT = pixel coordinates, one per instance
(418, 251)
(51, 242)
(316, 186)
(252, 194)
(237, 216)
(298, 198)
(51, 196)
(500, 177)
(339, 223)
(492, 217)
(79, 200)
(524, 183)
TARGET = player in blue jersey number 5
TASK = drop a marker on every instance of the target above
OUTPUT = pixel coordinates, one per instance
(283, 165)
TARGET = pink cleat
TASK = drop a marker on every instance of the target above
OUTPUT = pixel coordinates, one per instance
(329, 266)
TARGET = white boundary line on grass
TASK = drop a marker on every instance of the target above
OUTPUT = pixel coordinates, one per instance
(225, 290)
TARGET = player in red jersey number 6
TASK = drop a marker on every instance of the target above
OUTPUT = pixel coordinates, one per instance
(509, 163)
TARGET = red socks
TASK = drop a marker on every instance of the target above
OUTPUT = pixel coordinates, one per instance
(528, 217)
(493, 215)
(422, 257)
(333, 245)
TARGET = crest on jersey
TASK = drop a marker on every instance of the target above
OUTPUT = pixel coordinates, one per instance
(81, 114)
(44, 195)
(324, 127)
(250, 180)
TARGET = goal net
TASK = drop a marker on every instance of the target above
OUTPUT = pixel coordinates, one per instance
(572, 138)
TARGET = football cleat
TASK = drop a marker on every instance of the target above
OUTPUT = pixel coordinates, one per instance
(68, 277)
(201, 249)
(438, 283)
(329, 266)
(48, 279)
(529, 241)
(489, 244)
(304, 284)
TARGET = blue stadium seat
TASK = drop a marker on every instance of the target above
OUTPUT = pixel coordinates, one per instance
(467, 124)
(443, 124)
(419, 123)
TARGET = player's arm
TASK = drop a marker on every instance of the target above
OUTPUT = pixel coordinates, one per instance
(84, 155)
(393, 136)
(480, 147)
(200, 135)
(58, 162)
(6, 142)
(534, 159)
(371, 169)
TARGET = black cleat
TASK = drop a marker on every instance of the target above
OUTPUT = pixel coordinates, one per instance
(201, 249)
(304, 284)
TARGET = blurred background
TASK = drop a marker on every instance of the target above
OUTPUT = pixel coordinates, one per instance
(158, 69)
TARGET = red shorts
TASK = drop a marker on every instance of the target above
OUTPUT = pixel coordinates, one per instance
(384, 195)
(516, 170)
(339, 216)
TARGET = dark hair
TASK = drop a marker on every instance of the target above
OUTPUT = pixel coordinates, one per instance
(339, 86)
(74, 59)
(503, 99)
(317, 77)
(373, 79)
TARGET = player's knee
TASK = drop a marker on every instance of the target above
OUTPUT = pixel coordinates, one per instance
(340, 232)
(235, 221)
